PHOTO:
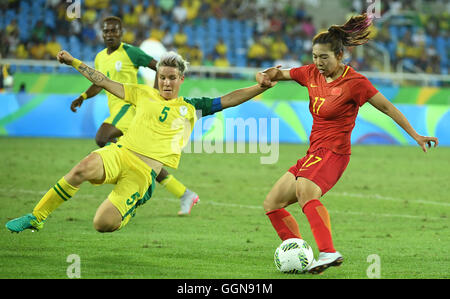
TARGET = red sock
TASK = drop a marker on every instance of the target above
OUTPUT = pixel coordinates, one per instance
(319, 220)
(285, 225)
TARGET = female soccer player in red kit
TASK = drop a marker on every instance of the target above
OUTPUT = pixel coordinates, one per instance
(336, 91)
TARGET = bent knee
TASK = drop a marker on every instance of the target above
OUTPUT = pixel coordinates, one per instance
(107, 218)
(103, 225)
(270, 204)
(307, 190)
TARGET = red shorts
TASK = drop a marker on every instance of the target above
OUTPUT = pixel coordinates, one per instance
(322, 166)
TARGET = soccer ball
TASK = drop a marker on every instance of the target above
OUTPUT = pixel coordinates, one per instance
(293, 256)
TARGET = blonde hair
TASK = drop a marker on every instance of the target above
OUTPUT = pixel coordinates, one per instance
(172, 59)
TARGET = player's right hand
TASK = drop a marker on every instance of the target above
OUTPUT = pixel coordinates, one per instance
(425, 142)
(77, 103)
(64, 57)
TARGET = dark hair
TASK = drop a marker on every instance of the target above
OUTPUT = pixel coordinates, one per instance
(353, 33)
(113, 19)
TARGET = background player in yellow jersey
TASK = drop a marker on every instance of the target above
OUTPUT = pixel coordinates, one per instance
(120, 62)
(161, 127)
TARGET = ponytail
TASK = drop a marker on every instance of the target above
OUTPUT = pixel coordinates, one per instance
(353, 33)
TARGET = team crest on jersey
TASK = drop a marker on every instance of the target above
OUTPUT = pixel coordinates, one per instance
(183, 110)
(118, 65)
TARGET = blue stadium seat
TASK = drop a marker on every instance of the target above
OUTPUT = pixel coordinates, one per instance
(126, 8)
(38, 69)
(50, 19)
(200, 31)
(212, 22)
(174, 28)
(266, 64)
(402, 31)
(241, 62)
(63, 70)
(62, 40)
(115, 9)
(440, 44)
(25, 69)
(49, 69)
(24, 5)
(189, 31)
(236, 26)
(87, 53)
(428, 40)
(394, 32)
(224, 25)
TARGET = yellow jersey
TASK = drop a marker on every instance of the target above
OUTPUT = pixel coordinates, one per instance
(122, 66)
(161, 128)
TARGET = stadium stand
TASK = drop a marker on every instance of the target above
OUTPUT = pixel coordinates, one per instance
(413, 38)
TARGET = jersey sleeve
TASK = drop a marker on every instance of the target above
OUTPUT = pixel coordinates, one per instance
(363, 90)
(300, 74)
(207, 106)
(137, 56)
(132, 92)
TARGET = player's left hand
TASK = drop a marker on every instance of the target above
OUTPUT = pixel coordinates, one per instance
(76, 104)
(64, 57)
(425, 142)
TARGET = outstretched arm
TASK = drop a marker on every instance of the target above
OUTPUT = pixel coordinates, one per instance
(92, 75)
(272, 74)
(385, 106)
(242, 95)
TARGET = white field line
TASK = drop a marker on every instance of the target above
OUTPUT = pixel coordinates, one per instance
(381, 197)
(259, 207)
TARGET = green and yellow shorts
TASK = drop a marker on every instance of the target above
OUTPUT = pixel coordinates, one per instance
(133, 179)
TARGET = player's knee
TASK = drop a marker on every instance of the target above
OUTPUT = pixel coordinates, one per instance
(105, 225)
(307, 190)
(270, 204)
(303, 196)
(107, 218)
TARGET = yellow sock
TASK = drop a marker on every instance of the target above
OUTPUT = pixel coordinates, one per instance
(173, 186)
(60, 193)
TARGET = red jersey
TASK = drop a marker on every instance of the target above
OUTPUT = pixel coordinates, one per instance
(333, 105)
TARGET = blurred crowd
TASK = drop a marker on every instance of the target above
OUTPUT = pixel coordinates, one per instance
(256, 33)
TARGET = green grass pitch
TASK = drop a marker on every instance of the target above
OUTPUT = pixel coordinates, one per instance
(392, 202)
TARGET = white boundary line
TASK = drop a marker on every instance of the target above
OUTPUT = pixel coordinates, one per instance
(381, 197)
(260, 207)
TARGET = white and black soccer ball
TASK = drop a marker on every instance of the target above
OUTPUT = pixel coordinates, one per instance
(293, 256)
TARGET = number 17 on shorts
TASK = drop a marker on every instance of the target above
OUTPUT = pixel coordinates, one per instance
(322, 166)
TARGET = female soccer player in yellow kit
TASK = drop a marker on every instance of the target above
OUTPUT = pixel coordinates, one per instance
(161, 127)
(120, 62)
